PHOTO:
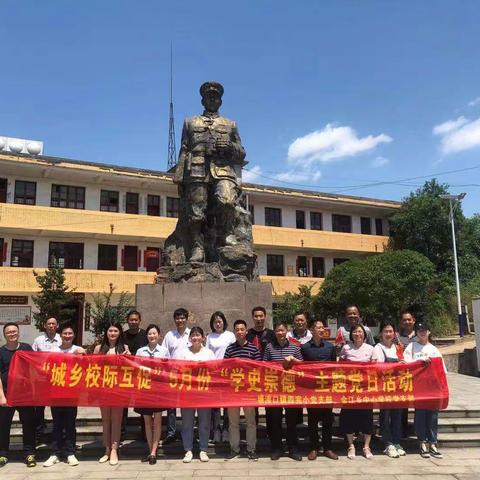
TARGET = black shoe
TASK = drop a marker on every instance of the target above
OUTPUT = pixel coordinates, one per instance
(233, 454)
(145, 459)
(295, 456)
(168, 440)
(152, 460)
(275, 455)
(30, 461)
(252, 456)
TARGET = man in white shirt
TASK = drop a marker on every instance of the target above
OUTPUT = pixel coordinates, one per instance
(48, 341)
(300, 331)
(174, 341)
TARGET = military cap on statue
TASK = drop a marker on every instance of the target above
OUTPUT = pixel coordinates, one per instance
(208, 86)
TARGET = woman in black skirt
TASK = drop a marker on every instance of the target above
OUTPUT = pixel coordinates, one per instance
(152, 416)
(357, 420)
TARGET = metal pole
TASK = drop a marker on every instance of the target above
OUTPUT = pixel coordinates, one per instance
(457, 280)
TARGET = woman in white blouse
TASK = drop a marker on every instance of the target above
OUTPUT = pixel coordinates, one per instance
(196, 352)
(218, 341)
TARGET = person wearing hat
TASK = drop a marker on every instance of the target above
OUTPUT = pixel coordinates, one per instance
(426, 421)
(209, 172)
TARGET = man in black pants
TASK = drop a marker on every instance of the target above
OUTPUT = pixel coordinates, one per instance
(27, 414)
(319, 350)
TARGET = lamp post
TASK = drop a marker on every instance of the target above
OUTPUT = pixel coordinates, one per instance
(451, 199)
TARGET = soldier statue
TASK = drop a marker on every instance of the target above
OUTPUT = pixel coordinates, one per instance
(212, 217)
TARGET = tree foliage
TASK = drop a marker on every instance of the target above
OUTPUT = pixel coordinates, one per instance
(55, 297)
(294, 302)
(382, 285)
(104, 310)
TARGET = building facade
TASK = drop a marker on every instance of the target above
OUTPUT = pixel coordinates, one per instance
(106, 225)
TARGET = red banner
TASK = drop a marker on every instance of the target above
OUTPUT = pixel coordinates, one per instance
(106, 380)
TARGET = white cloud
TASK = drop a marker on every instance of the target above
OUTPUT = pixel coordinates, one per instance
(331, 143)
(458, 135)
(474, 102)
(379, 162)
(299, 176)
(252, 175)
(449, 126)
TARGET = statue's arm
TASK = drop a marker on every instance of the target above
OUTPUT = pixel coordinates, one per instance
(182, 155)
(237, 147)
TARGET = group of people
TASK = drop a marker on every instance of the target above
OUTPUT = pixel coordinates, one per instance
(304, 342)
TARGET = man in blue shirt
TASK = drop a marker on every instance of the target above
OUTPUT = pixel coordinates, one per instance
(319, 350)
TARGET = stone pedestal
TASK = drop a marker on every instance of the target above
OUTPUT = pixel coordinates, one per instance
(157, 302)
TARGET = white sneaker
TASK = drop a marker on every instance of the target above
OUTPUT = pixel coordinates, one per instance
(225, 436)
(51, 461)
(400, 450)
(188, 457)
(204, 457)
(72, 460)
(391, 452)
(217, 436)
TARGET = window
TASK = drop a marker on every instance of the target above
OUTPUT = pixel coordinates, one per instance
(251, 209)
(108, 201)
(378, 226)
(152, 259)
(339, 261)
(3, 190)
(365, 225)
(341, 223)
(66, 255)
(273, 217)
(107, 257)
(300, 218)
(318, 267)
(316, 221)
(67, 196)
(131, 202)
(25, 192)
(302, 267)
(22, 253)
(2, 252)
(172, 207)
(275, 265)
(130, 258)
(153, 205)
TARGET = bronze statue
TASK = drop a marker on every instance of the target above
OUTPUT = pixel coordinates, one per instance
(213, 237)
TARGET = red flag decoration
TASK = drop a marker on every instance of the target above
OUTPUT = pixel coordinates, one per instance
(41, 378)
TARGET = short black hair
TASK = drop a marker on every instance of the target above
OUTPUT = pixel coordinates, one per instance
(239, 322)
(215, 315)
(259, 309)
(10, 324)
(353, 305)
(152, 325)
(180, 312)
(388, 323)
(196, 329)
(358, 325)
(280, 323)
(134, 312)
(407, 311)
(313, 321)
(64, 326)
(302, 312)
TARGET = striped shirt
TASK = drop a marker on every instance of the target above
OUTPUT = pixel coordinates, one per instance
(274, 352)
(248, 350)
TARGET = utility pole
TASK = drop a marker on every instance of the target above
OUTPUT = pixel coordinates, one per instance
(451, 199)
(172, 150)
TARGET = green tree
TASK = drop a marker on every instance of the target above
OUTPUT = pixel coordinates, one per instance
(55, 297)
(382, 285)
(104, 310)
(291, 303)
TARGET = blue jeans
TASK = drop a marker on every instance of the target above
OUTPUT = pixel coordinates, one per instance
(426, 425)
(171, 422)
(391, 426)
(188, 418)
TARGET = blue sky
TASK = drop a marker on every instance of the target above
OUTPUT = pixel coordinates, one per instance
(328, 95)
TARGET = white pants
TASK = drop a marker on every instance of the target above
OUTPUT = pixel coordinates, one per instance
(234, 428)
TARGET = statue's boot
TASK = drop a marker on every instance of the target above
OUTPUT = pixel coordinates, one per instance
(198, 254)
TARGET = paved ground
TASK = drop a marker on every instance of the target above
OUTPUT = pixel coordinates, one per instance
(461, 464)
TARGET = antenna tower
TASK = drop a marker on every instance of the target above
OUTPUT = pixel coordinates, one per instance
(172, 150)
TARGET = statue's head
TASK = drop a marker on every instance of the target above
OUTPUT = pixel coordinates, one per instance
(211, 93)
